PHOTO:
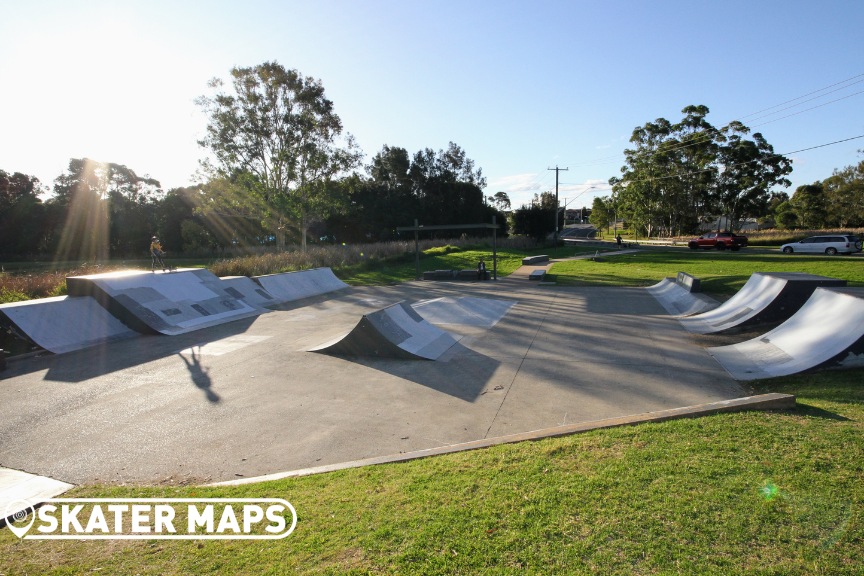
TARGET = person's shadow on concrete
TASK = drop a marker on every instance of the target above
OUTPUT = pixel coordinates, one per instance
(200, 376)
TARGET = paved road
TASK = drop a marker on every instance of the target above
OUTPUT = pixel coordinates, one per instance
(246, 399)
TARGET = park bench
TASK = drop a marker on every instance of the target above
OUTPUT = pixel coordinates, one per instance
(530, 260)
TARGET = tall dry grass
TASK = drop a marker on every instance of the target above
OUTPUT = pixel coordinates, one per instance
(339, 256)
(773, 236)
(19, 286)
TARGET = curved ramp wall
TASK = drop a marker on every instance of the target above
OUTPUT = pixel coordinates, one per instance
(396, 332)
(65, 324)
(827, 332)
(767, 297)
(678, 301)
(291, 286)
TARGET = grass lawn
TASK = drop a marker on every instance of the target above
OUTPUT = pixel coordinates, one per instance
(747, 493)
(403, 270)
(720, 272)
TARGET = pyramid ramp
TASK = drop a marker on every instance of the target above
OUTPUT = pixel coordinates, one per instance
(396, 332)
(678, 301)
(164, 302)
(827, 332)
(64, 324)
(291, 286)
(766, 298)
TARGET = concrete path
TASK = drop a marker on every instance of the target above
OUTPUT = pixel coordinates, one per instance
(246, 399)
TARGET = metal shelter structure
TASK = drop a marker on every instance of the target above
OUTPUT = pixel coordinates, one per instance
(417, 228)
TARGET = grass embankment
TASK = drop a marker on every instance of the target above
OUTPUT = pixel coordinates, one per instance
(748, 493)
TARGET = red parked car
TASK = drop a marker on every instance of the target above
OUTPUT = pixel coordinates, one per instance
(718, 240)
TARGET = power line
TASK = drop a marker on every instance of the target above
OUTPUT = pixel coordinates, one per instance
(694, 173)
(707, 134)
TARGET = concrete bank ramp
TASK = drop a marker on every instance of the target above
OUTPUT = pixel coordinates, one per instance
(64, 324)
(678, 301)
(164, 302)
(827, 332)
(766, 297)
(246, 289)
(396, 332)
(292, 286)
(465, 311)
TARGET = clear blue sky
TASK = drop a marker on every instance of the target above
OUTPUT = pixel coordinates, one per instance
(521, 86)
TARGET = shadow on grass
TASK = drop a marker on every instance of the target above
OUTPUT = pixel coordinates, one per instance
(814, 412)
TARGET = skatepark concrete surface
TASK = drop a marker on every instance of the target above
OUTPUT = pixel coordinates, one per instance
(247, 398)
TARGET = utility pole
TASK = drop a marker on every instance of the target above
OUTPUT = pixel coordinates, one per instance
(555, 237)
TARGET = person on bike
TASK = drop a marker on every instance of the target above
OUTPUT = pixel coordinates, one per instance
(156, 254)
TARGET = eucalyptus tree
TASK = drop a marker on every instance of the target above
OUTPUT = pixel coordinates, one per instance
(810, 205)
(22, 214)
(638, 194)
(278, 126)
(107, 207)
(678, 175)
(748, 170)
(844, 194)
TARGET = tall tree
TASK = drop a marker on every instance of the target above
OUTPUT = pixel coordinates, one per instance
(22, 222)
(107, 207)
(844, 195)
(749, 169)
(677, 175)
(278, 126)
(810, 206)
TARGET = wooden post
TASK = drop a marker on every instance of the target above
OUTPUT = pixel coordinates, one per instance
(417, 249)
(495, 248)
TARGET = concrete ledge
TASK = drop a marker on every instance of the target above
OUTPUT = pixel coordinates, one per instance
(438, 275)
(528, 260)
(537, 275)
(762, 402)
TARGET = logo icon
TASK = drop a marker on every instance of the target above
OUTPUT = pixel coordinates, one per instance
(16, 514)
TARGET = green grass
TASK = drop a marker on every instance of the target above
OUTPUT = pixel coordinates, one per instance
(747, 493)
(403, 269)
(720, 272)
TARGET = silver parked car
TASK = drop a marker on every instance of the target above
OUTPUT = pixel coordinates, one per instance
(831, 245)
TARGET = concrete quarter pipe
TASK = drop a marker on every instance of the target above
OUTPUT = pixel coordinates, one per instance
(396, 332)
(679, 301)
(765, 298)
(827, 332)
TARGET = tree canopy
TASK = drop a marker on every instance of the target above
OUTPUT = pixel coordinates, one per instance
(679, 175)
(277, 127)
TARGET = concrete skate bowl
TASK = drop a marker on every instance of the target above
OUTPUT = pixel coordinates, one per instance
(63, 324)
(827, 332)
(395, 332)
(766, 298)
(678, 301)
(291, 286)
(166, 303)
